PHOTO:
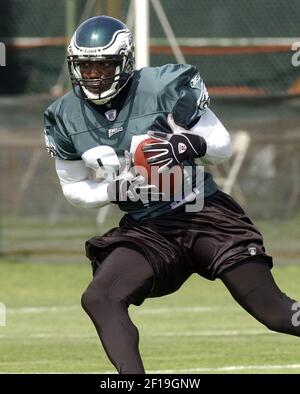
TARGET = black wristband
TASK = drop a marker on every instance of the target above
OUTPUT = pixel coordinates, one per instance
(199, 143)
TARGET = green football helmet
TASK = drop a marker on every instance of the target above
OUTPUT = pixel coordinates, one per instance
(101, 38)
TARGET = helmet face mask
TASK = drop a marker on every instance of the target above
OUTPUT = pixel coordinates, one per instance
(101, 39)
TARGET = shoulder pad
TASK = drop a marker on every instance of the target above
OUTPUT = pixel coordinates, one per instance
(193, 99)
(58, 142)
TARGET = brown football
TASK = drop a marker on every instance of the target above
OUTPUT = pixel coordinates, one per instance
(169, 182)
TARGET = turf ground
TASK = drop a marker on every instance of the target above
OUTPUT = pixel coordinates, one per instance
(199, 329)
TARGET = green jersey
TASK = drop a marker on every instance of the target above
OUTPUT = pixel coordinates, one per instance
(75, 129)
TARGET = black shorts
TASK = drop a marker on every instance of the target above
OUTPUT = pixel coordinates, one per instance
(182, 243)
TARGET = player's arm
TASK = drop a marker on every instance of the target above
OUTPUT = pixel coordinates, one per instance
(217, 138)
(72, 172)
(82, 192)
(77, 188)
(207, 139)
(196, 131)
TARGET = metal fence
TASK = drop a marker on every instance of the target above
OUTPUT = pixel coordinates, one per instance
(241, 48)
(36, 219)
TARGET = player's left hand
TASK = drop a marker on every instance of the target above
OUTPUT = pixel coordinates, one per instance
(174, 148)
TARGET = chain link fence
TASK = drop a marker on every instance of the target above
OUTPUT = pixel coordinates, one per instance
(241, 48)
(38, 221)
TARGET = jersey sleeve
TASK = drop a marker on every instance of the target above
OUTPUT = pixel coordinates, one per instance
(57, 141)
(193, 99)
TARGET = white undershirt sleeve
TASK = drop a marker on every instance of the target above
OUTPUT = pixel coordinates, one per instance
(216, 136)
(77, 188)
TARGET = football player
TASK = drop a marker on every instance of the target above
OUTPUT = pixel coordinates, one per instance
(159, 243)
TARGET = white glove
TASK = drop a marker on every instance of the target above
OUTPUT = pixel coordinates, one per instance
(128, 185)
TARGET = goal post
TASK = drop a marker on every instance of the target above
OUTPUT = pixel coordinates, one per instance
(141, 11)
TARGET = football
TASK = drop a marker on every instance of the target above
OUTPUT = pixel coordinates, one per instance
(169, 182)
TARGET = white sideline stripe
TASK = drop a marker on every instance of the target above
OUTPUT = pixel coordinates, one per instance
(206, 333)
(41, 309)
(169, 371)
(228, 368)
(214, 333)
(145, 311)
(195, 309)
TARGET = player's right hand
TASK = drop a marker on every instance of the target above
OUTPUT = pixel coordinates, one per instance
(133, 187)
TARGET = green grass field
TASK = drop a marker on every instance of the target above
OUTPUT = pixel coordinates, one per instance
(199, 329)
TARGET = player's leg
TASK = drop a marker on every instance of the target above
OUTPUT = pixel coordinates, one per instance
(124, 277)
(223, 240)
(253, 287)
